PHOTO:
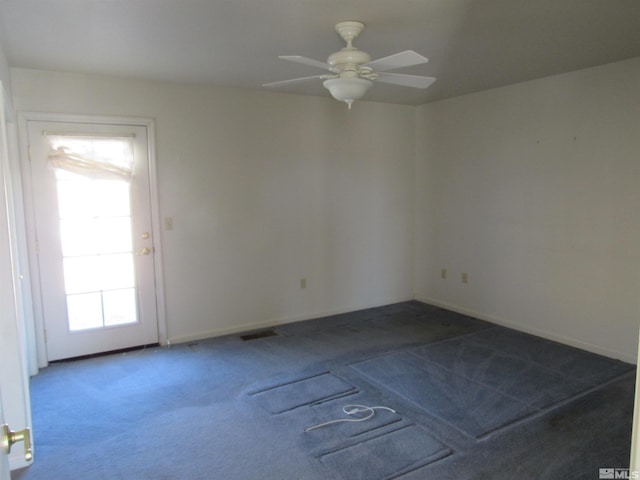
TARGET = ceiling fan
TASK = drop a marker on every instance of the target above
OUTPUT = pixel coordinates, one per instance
(352, 72)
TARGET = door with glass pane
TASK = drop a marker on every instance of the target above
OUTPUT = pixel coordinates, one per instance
(94, 242)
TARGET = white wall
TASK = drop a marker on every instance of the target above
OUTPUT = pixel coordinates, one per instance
(5, 72)
(264, 189)
(531, 189)
(534, 191)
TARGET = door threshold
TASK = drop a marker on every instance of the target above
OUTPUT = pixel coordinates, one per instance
(104, 354)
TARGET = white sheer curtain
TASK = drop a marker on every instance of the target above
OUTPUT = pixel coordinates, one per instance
(92, 156)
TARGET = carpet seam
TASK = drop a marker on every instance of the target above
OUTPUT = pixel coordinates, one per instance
(291, 382)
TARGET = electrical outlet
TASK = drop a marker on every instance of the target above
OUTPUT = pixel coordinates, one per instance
(443, 274)
(465, 277)
(303, 283)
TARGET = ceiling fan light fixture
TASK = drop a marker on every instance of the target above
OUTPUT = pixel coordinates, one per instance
(351, 71)
(347, 90)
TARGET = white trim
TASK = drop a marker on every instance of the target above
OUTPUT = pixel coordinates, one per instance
(36, 295)
(157, 234)
(533, 331)
(26, 302)
(218, 332)
(149, 124)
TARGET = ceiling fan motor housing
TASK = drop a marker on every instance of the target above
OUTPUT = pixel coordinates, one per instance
(349, 58)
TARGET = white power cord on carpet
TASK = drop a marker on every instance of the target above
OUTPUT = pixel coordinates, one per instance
(352, 410)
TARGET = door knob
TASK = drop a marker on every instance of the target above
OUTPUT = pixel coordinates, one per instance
(144, 251)
(10, 437)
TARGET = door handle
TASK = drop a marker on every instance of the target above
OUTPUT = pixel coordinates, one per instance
(144, 251)
(10, 437)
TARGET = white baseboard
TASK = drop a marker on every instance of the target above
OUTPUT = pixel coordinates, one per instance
(624, 356)
(218, 332)
(246, 327)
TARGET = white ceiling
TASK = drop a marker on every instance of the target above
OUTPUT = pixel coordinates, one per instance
(472, 45)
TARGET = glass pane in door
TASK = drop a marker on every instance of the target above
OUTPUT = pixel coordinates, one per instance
(97, 248)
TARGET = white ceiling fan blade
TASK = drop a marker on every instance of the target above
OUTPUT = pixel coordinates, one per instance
(415, 81)
(308, 61)
(397, 60)
(293, 80)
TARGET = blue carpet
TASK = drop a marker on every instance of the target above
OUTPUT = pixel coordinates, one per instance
(332, 410)
(386, 456)
(487, 380)
(471, 401)
(466, 405)
(305, 391)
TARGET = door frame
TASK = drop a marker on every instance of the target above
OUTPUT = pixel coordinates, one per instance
(38, 314)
